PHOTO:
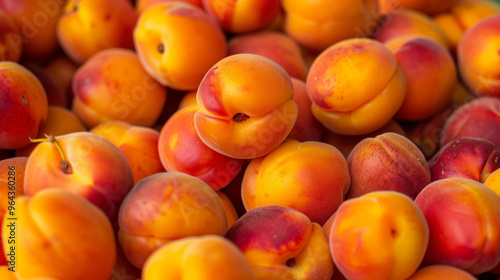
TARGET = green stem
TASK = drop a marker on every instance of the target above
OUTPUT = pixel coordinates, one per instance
(65, 166)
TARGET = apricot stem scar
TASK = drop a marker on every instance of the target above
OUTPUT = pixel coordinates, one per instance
(24, 100)
(240, 117)
(160, 48)
(65, 166)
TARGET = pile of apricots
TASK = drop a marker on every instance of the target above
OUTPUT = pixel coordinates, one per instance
(249, 139)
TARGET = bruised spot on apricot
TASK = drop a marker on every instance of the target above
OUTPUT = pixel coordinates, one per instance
(240, 117)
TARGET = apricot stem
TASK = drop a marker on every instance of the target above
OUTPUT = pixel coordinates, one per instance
(65, 166)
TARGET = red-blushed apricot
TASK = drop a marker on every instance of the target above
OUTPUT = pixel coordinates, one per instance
(60, 121)
(138, 144)
(208, 257)
(464, 231)
(89, 26)
(231, 214)
(470, 158)
(493, 181)
(380, 235)
(84, 163)
(479, 118)
(409, 22)
(441, 272)
(430, 73)
(246, 106)
(478, 57)
(429, 7)
(239, 16)
(345, 143)
(142, 5)
(24, 105)
(11, 46)
(76, 235)
(182, 150)
(356, 86)
(282, 243)
(188, 99)
(319, 24)
(37, 22)
(387, 162)
(165, 207)
(177, 44)
(274, 45)
(461, 16)
(307, 127)
(113, 85)
(311, 177)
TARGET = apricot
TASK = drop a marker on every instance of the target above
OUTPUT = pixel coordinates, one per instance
(478, 59)
(470, 158)
(181, 149)
(282, 243)
(89, 26)
(239, 16)
(84, 163)
(311, 177)
(274, 45)
(345, 143)
(461, 16)
(177, 43)
(356, 86)
(493, 181)
(206, 257)
(60, 121)
(440, 272)
(245, 114)
(76, 235)
(409, 22)
(231, 214)
(165, 207)
(430, 74)
(37, 23)
(113, 85)
(380, 235)
(479, 118)
(143, 5)
(466, 213)
(429, 7)
(11, 46)
(18, 164)
(307, 127)
(24, 105)
(138, 144)
(387, 162)
(320, 24)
